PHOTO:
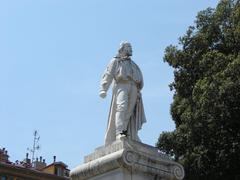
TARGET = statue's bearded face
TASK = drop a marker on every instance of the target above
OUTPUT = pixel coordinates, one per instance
(126, 49)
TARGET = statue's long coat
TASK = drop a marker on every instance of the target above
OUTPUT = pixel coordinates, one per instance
(120, 70)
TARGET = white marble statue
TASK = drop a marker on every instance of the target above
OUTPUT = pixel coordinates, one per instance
(124, 157)
(126, 114)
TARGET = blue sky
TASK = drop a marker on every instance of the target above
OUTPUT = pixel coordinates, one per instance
(52, 56)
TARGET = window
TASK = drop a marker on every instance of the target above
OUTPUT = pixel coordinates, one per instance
(58, 171)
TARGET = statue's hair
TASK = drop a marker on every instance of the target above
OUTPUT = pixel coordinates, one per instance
(123, 44)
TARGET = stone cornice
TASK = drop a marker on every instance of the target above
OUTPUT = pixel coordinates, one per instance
(131, 155)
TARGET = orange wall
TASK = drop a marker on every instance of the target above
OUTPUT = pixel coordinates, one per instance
(49, 169)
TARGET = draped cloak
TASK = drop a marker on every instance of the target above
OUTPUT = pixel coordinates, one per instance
(123, 70)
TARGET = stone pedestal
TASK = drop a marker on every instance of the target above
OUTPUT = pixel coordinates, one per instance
(127, 160)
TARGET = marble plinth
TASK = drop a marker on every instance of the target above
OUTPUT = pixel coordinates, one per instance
(127, 160)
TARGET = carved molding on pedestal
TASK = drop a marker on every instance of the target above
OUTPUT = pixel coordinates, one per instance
(133, 156)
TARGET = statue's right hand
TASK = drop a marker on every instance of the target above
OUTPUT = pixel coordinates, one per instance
(102, 94)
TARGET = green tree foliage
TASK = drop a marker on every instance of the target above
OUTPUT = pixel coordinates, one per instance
(206, 105)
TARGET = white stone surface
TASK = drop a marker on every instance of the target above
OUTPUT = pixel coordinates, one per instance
(120, 174)
(126, 159)
(126, 112)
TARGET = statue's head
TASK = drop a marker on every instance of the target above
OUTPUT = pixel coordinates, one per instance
(125, 49)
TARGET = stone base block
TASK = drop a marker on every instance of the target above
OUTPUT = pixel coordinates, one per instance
(127, 160)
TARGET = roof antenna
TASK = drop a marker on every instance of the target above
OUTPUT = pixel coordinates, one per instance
(36, 145)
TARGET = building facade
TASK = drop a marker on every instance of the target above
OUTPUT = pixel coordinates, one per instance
(27, 170)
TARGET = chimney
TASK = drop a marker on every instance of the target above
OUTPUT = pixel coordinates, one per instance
(54, 159)
(39, 164)
(27, 160)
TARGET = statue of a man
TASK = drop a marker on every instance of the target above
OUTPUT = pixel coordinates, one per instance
(126, 114)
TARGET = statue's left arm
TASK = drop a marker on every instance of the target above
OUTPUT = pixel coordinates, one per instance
(141, 83)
